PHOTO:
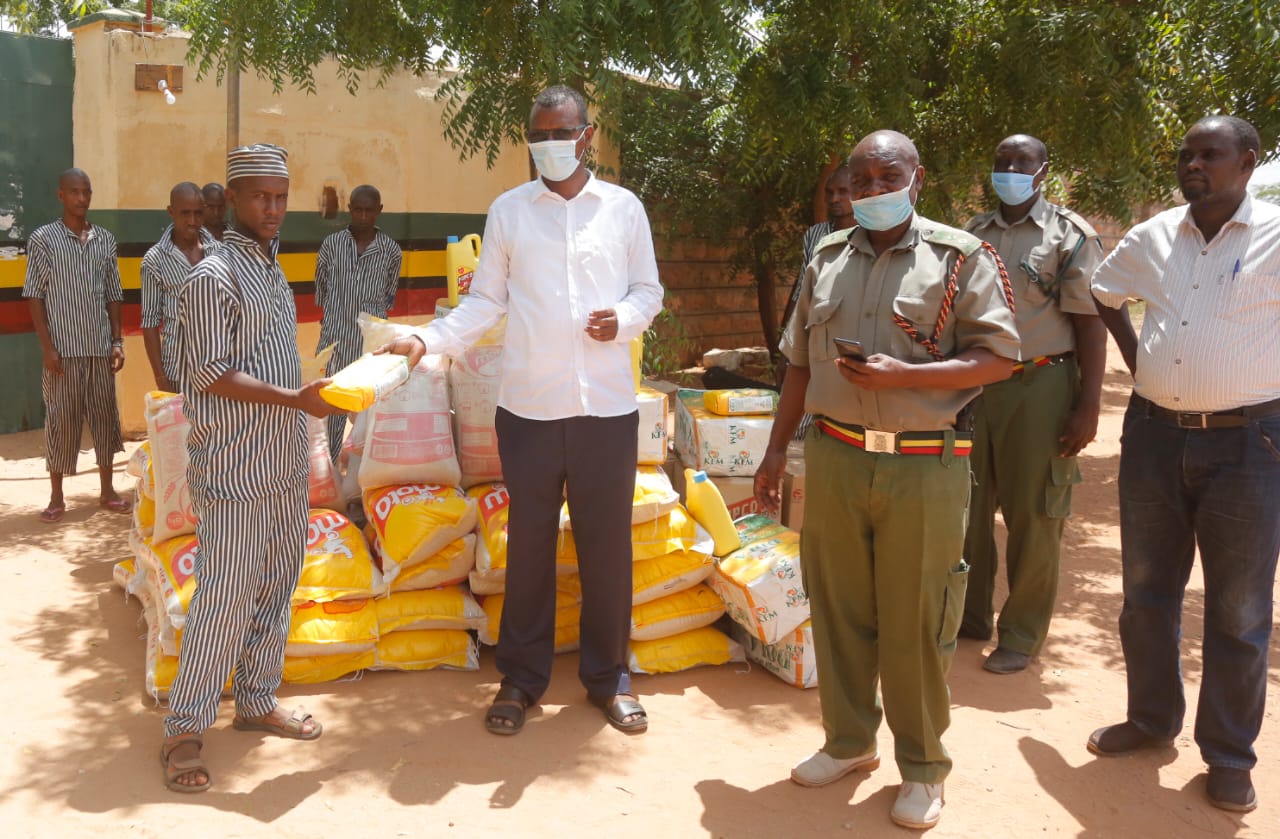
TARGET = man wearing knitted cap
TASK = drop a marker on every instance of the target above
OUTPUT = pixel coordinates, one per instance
(247, 475)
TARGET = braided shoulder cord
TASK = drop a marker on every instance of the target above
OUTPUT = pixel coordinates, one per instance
(948, 303)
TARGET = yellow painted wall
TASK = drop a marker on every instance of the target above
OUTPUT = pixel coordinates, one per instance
(135, 147)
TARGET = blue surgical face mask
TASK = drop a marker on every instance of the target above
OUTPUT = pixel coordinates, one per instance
(887, 211)
(1014, 188)
(556, 160)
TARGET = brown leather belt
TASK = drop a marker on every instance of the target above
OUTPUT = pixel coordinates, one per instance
(1203, 420)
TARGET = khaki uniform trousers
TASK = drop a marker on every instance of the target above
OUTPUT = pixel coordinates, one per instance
(1017, 470)
(880, 553)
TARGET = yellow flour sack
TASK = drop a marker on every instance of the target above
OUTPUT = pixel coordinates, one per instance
(167, 430)
(760, 582)
(664, 575)
(336, 628)
(437, 608)
(139, 467)
(680, 612)
(126, 575)
(144, 512)
(568, 616)
(366, 381)
(415, 521)
(695, 648)
(173, 563)
(310, 670)
(447, 567)
(673, 531)
(653, 497)
(490, 574)
(427, 649)
(337, 564)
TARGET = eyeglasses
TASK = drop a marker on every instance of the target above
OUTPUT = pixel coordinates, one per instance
(540, 136)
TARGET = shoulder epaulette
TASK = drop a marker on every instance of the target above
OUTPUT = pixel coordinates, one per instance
(978, 221)
(952, 237)
(1078, 220)
(835, 237)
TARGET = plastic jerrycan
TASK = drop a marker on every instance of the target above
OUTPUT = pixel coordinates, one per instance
(708, 509)
(637, 355)
(460, 260)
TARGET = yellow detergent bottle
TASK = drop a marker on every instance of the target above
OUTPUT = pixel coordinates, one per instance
(637, 355)
(460, 260)
(708, 509)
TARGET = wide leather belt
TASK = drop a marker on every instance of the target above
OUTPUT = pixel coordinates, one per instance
(1204, 420)
(1043, 361)
(896, 442)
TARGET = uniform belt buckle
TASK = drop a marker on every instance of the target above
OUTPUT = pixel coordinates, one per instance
(880, 441)
(1192, 420)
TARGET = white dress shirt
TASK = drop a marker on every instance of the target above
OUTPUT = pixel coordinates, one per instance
(547, 263)
(1212, 324)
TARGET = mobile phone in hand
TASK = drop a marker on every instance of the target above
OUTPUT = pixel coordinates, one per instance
(850, 349)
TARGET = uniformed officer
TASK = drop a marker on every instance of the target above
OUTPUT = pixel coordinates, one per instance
(247, 475)
(1029, 428)
(357, 270)
(887, 465)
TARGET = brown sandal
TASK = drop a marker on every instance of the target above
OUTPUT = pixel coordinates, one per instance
(506, 714)
(291, 729)
(175, 768)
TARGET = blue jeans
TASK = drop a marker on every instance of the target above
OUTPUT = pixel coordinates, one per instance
(1219, 489)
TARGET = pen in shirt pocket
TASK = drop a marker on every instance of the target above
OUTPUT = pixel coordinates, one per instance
(1235, 270)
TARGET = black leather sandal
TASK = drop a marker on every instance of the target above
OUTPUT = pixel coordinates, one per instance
(506, 714)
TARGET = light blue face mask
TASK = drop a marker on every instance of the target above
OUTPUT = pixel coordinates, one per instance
(887, 211)
(1014, 188)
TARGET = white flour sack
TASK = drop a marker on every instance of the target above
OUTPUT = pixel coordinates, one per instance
(410, 438)
(167, 429)
(473, 392)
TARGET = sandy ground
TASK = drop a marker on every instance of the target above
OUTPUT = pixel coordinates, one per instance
(404, 754)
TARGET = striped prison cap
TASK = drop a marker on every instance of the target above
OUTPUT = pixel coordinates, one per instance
(260, 160)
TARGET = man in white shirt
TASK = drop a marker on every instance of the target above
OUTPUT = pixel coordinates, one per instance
(1200, 454)
(569, 260)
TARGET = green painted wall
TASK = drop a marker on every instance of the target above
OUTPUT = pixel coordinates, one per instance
(37, 77)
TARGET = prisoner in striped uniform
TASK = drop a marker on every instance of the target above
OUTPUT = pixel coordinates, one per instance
(164, 270)
(357, 270)
(215, 209)
(247, 473)
(73, 289)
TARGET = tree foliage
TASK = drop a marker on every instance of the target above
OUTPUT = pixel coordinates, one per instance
(46, 16)
(729, 111)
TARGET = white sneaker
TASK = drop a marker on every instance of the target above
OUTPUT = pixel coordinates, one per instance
(821, 768)
(918, 805)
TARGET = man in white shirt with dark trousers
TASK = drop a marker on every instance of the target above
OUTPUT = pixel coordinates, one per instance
(1200, 454)
(569, 260)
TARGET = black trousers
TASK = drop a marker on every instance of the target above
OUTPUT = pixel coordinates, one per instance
(594, 460)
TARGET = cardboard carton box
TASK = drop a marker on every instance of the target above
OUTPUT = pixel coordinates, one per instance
(793, 487)
(719, 446)
(652, 434)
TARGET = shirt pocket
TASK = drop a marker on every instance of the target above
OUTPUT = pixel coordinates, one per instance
(922, 314)
(822, 331)
(1252, 298)
(1040, 271)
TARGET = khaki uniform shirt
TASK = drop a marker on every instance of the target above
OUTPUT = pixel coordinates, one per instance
(1049, 273)
(849, 292)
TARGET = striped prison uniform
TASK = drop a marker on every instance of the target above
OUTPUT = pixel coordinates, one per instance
(348, 283)
(164, 271)
(248, 482)
(77, 282)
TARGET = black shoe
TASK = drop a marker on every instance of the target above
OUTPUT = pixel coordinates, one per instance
(1005, 661)
(1231, 789)
(1123, 738)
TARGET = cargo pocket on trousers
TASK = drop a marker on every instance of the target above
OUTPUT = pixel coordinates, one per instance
(1064, 473)
(953, 604)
